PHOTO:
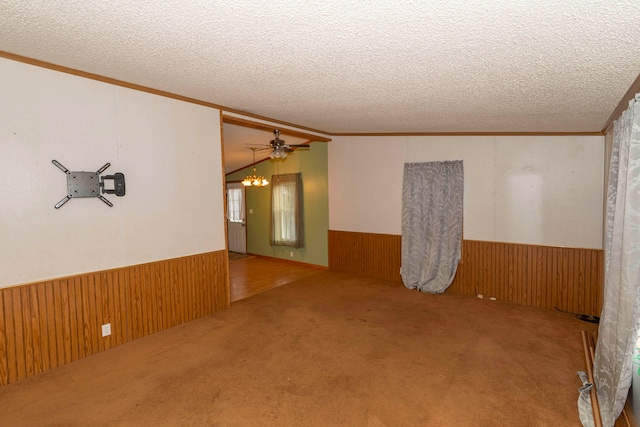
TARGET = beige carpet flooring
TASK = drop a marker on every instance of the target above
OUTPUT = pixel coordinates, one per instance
(327, 350)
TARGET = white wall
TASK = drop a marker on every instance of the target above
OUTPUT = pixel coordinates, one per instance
(545, 190)
(168, 150)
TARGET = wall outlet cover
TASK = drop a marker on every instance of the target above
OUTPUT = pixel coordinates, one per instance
(106, 329)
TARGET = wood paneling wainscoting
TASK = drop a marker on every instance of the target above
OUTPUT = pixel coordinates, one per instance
(539, 276)
(366, 254)
(570, 279)
(48, 324)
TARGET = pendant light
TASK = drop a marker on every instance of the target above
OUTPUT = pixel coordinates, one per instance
(255, 180)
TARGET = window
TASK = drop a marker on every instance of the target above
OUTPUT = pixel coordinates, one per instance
(235, 205)
(287, 228)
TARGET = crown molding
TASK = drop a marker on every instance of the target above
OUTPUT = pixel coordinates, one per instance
(141, 88)
(230, 115)
(471, 134)
(623, 105)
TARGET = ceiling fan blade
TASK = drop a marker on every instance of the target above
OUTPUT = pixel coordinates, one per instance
(300, 145)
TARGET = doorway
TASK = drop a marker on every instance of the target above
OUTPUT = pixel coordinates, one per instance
(236, 219)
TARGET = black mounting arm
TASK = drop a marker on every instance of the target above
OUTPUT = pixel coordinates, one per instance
(90, 184)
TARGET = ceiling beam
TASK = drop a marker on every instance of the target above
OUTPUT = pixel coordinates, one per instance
(271, 127)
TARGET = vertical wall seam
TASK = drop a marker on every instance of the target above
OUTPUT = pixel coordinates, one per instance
(495, 202)
(118, 146)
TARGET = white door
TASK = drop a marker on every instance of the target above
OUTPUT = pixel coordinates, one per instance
(236, 224)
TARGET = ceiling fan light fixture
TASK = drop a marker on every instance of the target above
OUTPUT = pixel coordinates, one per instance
(278, 153)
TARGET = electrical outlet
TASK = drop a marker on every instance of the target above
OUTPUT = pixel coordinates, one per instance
(106, 329)
(291, 254)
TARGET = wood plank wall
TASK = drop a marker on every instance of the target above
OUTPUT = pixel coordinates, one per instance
(539, 276)
(366, 254)
(48, 324)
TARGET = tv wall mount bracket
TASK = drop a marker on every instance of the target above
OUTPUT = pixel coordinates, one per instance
(91, 184)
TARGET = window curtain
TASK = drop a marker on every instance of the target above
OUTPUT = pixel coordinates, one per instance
(619, 320)
(287, 225)
(431, 224)
(235, 205)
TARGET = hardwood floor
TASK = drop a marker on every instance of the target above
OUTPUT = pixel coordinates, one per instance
(255, 274)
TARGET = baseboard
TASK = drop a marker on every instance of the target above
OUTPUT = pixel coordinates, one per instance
(291, 261)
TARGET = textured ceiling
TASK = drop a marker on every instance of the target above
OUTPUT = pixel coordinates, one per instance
(355, 66)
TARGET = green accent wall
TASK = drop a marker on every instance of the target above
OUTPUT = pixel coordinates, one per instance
(312, 163)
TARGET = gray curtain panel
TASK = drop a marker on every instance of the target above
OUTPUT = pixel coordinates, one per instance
(619, 321)
(432, 196)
